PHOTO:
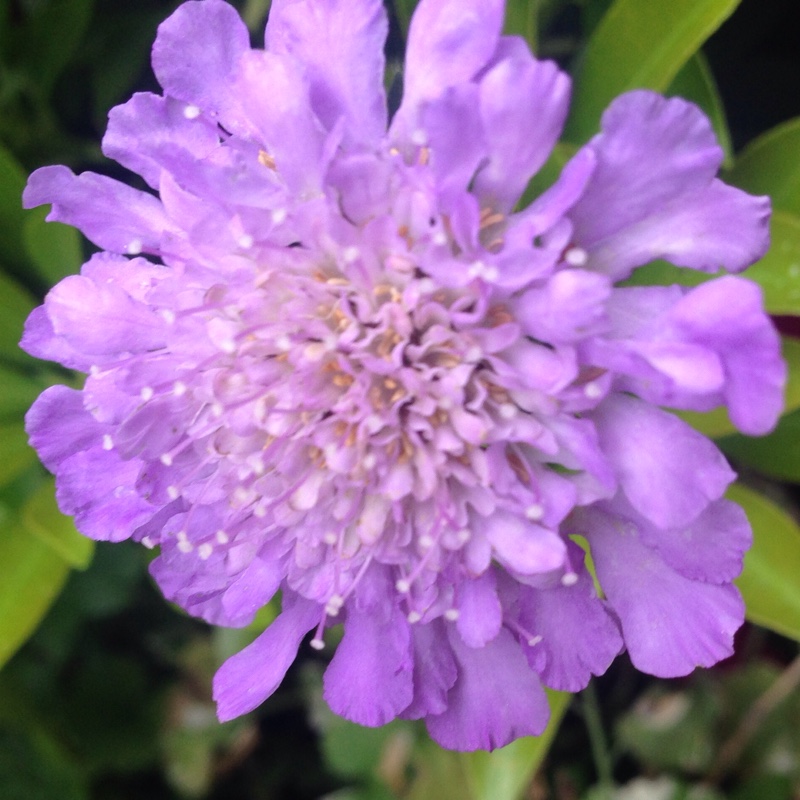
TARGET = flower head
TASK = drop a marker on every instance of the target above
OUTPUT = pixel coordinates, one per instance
(331, 358)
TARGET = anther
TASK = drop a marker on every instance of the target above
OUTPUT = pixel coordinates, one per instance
(576, 257)
(317, 643)
(534, 512)
(108, 442)
(146, 394)
(191, 112)
(205, 551)
(569, 579)
(414, 617)
(451, 615)
(222, 537)
(279, 216)
(592, 390)
(403, 586)
(134, 247)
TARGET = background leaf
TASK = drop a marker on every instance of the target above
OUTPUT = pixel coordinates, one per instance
(638, 45)
(770, 583)
(770, 165)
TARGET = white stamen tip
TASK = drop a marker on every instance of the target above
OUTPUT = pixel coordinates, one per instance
(569, 578)
(440, 238)
(148, 542)
(403, 586)
(451, 615)
(204, 551)
(332, 611)
(473, 354)
(350, 254)
(173, 492)
(592, 390)
(108, 442)
(279, 216)
(508, 411)
(246, 241)
(373, 423)
(168, 315)
(534, 512)
(317, 644)
(419, 137)
(185, 546)
(217, 409)
(227, 346)
(134, 247)
(222, 537)
(425, 541)
(94, 370)
(166, 460)
(369, 461)
(330, 538)
(414, 616)
(191, 112)
(146, 394)
(576, 257)
(283, 343)
(534, 640)
(464, 535)
(179, 388)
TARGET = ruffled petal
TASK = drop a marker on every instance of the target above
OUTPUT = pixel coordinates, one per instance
(434, 670)
(523, 105)
(668, 470)
(82, 490)
(670, 624)
(496, 698)
(449, 42)
(247, 679)
(59, 426)
(726, 316)
(521, 545)
(710, 549)
(653, 193)
(274, 94)
(579, 638)
(340, 44)
(114, 216)
(369, 679)
(196, 53)
(479, 612)
(148, 133)
(102, 319)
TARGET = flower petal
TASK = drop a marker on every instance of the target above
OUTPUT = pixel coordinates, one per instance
(434, 670)
(245, 680)
(196, 53)
(479, 612)
(670, 624)
(496, 698)
(523, 105)
(114, 216)
(369, 679)
(653, 193)
(579, 638)
(340, 44)
(668, 470)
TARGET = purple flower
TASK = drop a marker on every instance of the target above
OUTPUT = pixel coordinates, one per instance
(334, 360)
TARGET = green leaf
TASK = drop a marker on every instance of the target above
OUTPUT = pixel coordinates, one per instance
(41, 517)
(51, 38)
(15, 453)
(33, 574)
(776, 455)
(521, 20)
(770, 583)
(53, 248)
(771, 165)
(504, 774)
(15, 305)
(696, 83)
(639, 45)
(18, 392)
(12, 217)
(778, 273)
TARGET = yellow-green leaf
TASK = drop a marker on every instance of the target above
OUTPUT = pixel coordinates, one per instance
(639, 44)
(15, 453)
(770, 582)
(41, 517)
(33, 574)
(771, 165)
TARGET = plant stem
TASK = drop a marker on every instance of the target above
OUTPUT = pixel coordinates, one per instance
(597, 737)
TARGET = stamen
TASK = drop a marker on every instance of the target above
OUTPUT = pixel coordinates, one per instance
(134, 247)
(191, 112)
